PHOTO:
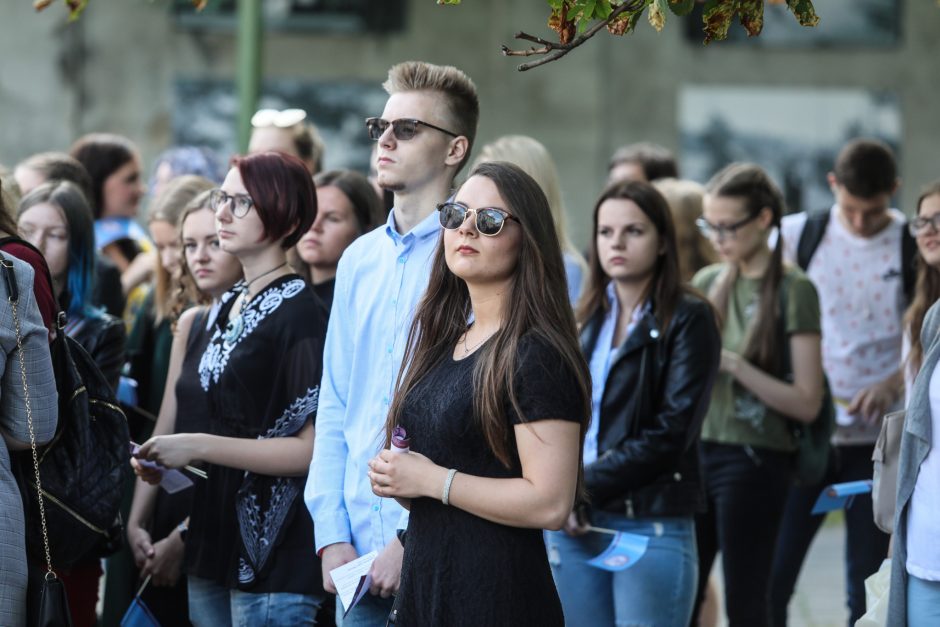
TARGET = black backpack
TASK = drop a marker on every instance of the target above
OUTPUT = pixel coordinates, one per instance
(83, 468)
(815, 229)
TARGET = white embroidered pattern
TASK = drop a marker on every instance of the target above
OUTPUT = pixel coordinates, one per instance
(217, 354)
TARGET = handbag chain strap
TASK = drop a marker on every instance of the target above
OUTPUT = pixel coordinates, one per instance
(8, 267)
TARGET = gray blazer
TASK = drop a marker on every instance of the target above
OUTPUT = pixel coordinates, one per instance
(14, 429)
(915, 444)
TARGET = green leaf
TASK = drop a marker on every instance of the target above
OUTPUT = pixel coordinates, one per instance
(681, 7)
(603, 9)
(448, 1)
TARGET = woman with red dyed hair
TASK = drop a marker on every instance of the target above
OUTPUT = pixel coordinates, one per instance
(249, 557)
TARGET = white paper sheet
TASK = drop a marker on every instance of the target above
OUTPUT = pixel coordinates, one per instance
(352, 580)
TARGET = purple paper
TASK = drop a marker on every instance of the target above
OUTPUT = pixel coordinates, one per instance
(172, 480)
(400, 441)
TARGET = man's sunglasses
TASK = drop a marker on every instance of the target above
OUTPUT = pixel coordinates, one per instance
(403, 128)
(489, 220)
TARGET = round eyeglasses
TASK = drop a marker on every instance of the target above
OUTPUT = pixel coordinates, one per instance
(489, 220)
(240, 203)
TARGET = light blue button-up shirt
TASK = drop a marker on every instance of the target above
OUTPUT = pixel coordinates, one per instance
(599, 365)
(379, 281)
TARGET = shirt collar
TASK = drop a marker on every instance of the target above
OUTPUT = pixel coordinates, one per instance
(428, 227)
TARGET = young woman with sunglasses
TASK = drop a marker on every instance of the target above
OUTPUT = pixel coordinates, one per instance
(249, 549)
(493, 394)
(158, 521)
(653, 348)
(768, 311)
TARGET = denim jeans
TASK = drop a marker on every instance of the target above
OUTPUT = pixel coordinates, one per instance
(209, 603)
(746, 489)
(214, 605)
(923, 602)
(658, 590)
(865, 545)
(371, 611)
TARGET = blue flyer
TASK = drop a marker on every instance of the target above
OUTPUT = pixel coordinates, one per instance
(840, 495)
(624, 551)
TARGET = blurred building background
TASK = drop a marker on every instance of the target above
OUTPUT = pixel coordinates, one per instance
(151, 70)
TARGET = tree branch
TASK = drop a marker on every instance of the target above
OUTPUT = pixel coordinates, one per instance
(554, 50)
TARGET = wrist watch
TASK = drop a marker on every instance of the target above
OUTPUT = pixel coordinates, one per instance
(183, 528)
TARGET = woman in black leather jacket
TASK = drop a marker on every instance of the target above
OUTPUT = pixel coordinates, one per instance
(653, 347)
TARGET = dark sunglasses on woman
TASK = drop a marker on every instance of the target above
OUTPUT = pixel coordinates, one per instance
(489, 220)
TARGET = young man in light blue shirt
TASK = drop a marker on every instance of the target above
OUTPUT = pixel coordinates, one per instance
(424, 138)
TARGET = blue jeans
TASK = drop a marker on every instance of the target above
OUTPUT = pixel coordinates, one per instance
(214, 605)
(371, 611)
(923, 602)
(658, 590)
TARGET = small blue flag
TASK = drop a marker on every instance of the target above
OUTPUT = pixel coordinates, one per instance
(624, 551)
(839, 495)
(138, 614)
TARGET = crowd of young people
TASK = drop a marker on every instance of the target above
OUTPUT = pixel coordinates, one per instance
(279, 336)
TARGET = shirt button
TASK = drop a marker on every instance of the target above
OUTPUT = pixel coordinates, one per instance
(654, 333)
(394, 301)
(389, 349)
(385, 400)
(402, 259)
(375, 508)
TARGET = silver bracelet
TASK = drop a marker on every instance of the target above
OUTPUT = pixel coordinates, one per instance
(445, 497)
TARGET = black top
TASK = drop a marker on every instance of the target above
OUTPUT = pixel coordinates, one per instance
(104, 337)
(324, 292)
(192, 416)
(459, 569)
(261, 375)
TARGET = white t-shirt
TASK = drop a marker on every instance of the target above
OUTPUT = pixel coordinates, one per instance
(923, 520)
(861, 299)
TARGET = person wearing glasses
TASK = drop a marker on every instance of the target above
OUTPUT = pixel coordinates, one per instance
(494, 395)
(423, 140)
(653, 347)
(862, 268)
(249, 547)
(747, 442)
(915, 565)
(287, 131)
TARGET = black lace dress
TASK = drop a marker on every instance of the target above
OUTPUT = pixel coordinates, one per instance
(459, 569)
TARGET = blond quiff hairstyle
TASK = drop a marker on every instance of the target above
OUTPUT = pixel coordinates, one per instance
(458, 91)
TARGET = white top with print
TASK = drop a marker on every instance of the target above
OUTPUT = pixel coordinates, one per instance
(861, 299)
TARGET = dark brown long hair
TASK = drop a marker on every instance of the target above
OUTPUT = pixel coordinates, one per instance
(537, 305)
(751, 183)
(666, 287)
(926, 293)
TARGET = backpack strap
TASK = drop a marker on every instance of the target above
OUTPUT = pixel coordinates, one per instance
(908, 263)
(813, 232)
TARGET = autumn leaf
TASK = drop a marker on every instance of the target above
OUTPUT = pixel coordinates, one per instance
(438, 1)
(626, 21)
(199, 5)
(75, 8)
(657, 14)
(804, 12)
(751, 13)
(558, 21)
(39, 5)
(717, 16)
